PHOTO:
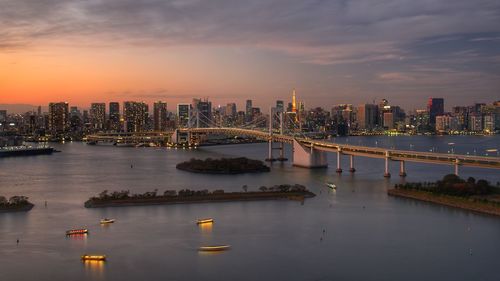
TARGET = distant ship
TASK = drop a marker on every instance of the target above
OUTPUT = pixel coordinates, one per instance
(77, 231)
(214, 248)
(86, 257)
(106, 221)
(202, 221)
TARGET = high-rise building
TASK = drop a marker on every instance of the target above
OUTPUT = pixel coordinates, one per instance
(160, 116)
(231, 110)
(280, 106)
(435, 106)
(98, 115)
(367, 116)
(58, 118)
(446, 123)
(183, 114)
(248, 111)
(389, 120)
(135, 115)
(203, 113)
(114, 116)
(3, 115)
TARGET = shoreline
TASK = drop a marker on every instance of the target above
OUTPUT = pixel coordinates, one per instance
(212, 198)
(468, 204)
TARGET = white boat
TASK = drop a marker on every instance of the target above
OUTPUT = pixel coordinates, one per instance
(106, 221)
(331, 185)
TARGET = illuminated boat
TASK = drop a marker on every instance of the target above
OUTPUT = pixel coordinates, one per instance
(77, 231)
(331, 185)
(214, 248)
(202, 221)
(106, 221)
(86, 257)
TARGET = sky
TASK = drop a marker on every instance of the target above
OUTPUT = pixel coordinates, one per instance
(330, 51)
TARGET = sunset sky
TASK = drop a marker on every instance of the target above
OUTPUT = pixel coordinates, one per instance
(338, 51)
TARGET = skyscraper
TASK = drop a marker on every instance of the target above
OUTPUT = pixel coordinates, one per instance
(203, 113)
(183, 114)
(135, 115)
(160, 116)
(294, 102)
(231, 109)
(435, 106)
(248, 111)
(280, 106)
(58, 117)
(114, 116)
(98, 115)
(367, 116)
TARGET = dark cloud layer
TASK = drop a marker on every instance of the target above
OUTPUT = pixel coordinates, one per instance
(320, 31)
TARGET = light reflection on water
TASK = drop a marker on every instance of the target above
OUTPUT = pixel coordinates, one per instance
(94, 269)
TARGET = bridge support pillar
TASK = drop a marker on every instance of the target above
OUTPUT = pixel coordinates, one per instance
(339, 169)
(456, 166)
(308, 157)
(270, 157)
(282, 152)
(351, 167)
(387, 174)
(402, 171)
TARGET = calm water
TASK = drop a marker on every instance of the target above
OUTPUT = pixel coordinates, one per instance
(368, 236)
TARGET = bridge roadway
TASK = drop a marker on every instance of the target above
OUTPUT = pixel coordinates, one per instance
(364, 151)
(318, 145)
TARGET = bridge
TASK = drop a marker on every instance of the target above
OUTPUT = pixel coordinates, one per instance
(311, 153)
(308, 153)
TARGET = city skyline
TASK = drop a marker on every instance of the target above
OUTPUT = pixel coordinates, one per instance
(335, 52)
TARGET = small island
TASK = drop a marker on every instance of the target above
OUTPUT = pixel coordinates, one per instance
(15, 204)
(478, 196)
(223, 166)
(185, 196)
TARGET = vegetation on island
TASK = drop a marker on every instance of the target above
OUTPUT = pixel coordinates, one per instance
(455, 186)
(224, 166)
(478, 196)
(15, 203)
(124, 197)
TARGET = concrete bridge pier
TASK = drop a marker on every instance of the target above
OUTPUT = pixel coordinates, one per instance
(270, 157)
(282, 152)
(339, 169)
(308, 157)
(402, 171)
(351, 167)
(456, 166)
(387, 174)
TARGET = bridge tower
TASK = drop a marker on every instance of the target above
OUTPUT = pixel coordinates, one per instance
(281, 147)
(270, 157)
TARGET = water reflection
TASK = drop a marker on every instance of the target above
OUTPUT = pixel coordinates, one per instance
(94, 269)
(206, 228)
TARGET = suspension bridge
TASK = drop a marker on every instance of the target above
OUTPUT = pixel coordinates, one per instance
(307, 152)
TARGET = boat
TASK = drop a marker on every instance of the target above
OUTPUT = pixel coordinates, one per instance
(106, 221)
(77, 231)
(331, 185)
(217, 248)
(86, 257)
(202, 221)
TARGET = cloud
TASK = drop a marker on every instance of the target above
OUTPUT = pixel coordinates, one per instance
(316, 31)
(395, 76)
